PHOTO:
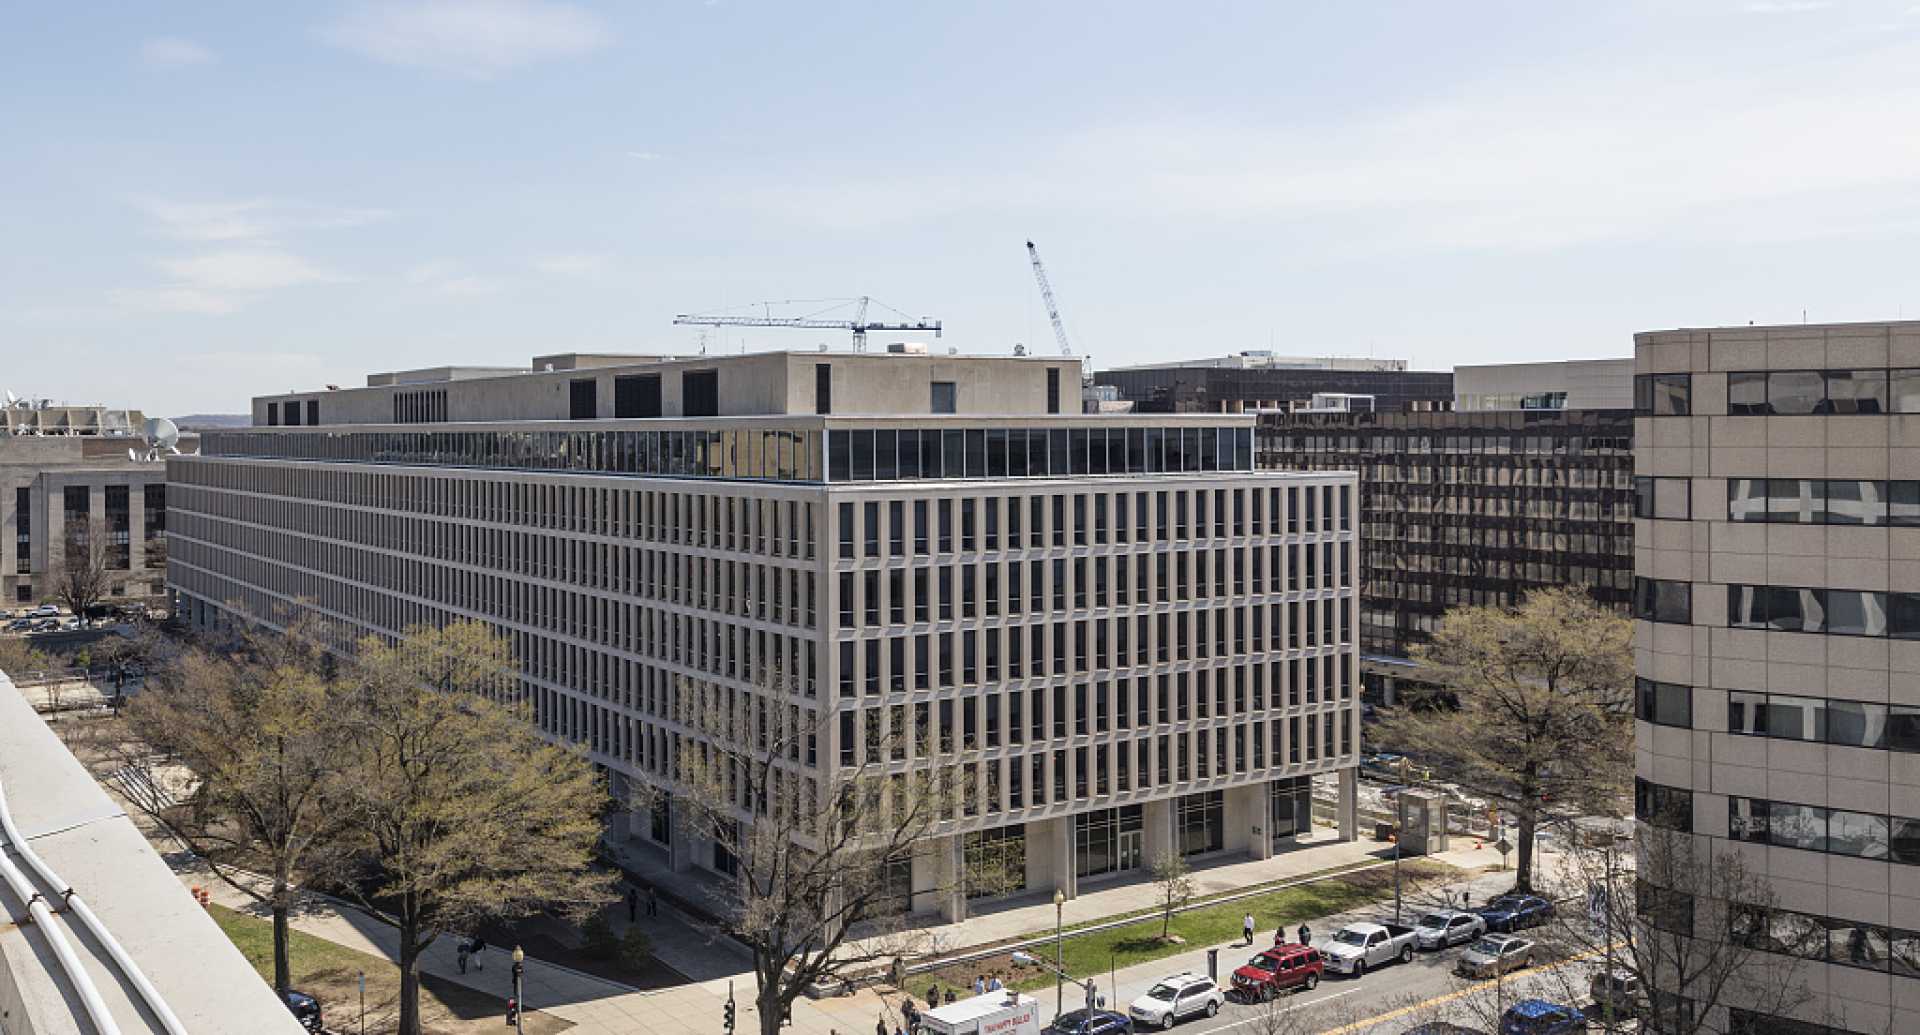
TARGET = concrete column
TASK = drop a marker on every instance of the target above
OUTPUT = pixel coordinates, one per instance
(950, 870)
(1064, 877)
(1156, 821)
(1348, 808)
(1253, 811)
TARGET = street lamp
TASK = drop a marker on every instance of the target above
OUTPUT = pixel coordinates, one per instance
(519, 995)
(1059, 960)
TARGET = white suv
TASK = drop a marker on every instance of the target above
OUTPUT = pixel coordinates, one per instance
(1174, 997)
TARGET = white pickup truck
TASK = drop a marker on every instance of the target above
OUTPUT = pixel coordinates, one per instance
(1356, 947)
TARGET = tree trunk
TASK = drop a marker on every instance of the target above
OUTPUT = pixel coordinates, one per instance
(772, 1011)
(1523, 868)
(409, 976)
(283, 966)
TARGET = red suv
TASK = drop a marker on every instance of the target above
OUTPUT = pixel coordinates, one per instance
(1282, 968)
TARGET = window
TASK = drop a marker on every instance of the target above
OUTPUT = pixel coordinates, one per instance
(700, 393)
(1663, 806)
(823, 388)
(1856, 391)
(943, 397)
(1663, 600)
(636, 396)
(1663, 704)
(1053, 389)
(1663, 395)
(583, 399)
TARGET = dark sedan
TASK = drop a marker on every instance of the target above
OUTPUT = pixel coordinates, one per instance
(1515, 912)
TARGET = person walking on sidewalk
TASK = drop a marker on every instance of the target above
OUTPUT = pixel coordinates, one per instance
(1246, 927)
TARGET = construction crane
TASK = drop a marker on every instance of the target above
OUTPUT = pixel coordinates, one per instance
(822, 318)
(1046, 293)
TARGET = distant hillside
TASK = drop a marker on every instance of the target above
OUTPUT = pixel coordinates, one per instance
(212, 421)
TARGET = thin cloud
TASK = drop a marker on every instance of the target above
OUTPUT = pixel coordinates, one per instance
(577, 264)
(173, 52)
(476, 38)
(249, 220)
(448, 279)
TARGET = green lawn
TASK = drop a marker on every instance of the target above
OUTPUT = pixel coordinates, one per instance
(1095, 954)
(331, 974)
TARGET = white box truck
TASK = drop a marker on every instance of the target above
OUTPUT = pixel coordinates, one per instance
(996, 1013)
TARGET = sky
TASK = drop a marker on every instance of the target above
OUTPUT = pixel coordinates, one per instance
(208, 201)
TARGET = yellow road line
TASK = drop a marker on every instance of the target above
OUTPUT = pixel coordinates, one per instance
(1359, 1026)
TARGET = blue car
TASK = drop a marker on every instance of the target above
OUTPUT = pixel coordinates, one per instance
(1539, 1017)
(1514, 912)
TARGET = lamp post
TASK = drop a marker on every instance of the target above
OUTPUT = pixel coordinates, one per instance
(519, 995)
(1059, 959)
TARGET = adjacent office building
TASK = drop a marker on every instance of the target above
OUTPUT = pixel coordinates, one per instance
(1260, 380)
(1778, 647)
(1127, 639)
(65, 478)
(1524, 482)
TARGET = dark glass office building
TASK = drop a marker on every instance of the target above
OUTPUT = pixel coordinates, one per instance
(1471, 508)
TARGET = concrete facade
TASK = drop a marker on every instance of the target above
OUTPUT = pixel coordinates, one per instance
(46, 473)
(1123, 639)
(1778, 641)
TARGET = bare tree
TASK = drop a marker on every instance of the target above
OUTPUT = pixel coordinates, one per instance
(1696, 932)
(1173, 882)
(255, 721)
(87, 573)
(820, 864)
(1533, 711)
(459, 812)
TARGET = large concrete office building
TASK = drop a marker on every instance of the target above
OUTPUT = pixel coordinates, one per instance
(1526, 482)
(1778, 646)
(1129, 640)
(65, 476)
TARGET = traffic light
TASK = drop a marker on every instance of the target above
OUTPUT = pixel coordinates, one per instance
(727, 1015)
(513, 1012)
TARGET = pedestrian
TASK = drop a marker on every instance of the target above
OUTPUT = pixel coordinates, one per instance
(479, 948)
(633, 904)
(464, 950)
(653, 901)
(1246, 927)
(995, 985)
(1306, 934)
(880, 1026)
(979, 985)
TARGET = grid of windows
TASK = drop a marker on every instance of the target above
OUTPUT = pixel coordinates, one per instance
(1053, 644)
(1471, 508)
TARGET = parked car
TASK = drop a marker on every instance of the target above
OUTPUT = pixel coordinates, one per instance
(1618, 990)
(1515, 912)
(1446, 928)
(1356, 947)
(1174, 997)
(1495, 954)
(1282, 968)
(305, 1009)
(1539, 1017)
(1091, 1022)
